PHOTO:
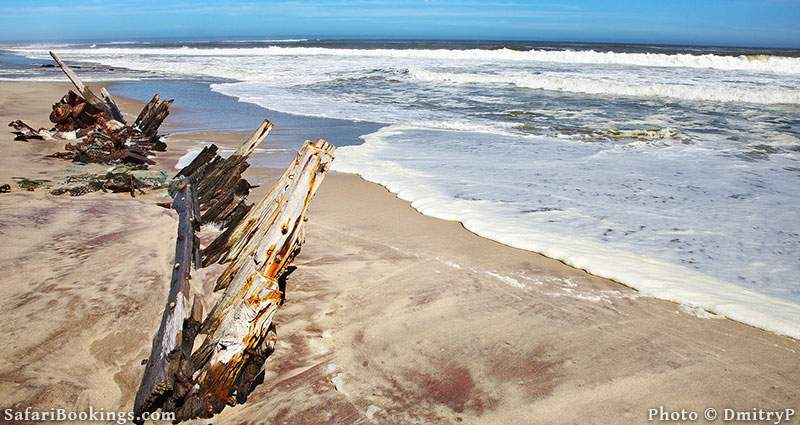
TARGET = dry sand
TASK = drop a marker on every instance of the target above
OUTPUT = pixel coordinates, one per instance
(391, 316)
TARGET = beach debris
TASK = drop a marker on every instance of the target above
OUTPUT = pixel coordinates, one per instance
(73, 113)
(258, 248)
(122, 178)
(25, 132)
(31, 184)
(95, 128)
(103, 103)
(168, 372)
(222, 191)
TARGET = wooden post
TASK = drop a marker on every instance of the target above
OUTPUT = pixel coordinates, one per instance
(240, 333)
(152, 115)
(259, 244)
(169, 366)
(104, 103)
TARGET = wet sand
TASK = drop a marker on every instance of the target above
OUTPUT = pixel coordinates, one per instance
(391, 316)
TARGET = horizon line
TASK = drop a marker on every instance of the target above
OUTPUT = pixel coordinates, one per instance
(309, 38)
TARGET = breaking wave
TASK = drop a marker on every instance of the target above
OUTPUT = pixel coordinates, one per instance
(752, 63)
(606, 86)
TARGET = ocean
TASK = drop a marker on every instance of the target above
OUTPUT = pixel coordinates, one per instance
(671, 169)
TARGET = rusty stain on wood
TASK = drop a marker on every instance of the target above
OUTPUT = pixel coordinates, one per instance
(258, 243)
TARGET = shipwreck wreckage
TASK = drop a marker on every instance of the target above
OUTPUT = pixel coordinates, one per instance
(200, 363)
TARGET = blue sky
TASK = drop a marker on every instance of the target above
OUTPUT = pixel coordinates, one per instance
(768, 23)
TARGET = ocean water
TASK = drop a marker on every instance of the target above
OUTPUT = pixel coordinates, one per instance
(673, 170)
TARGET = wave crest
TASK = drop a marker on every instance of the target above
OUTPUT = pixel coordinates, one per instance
(751, 63)
(605, 86)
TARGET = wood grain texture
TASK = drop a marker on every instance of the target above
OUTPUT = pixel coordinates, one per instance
(169, 366)
(239, 331)
(259, 243)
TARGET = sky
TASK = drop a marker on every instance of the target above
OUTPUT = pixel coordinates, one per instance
(759, 23)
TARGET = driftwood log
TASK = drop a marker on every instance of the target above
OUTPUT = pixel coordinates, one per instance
(258, 246)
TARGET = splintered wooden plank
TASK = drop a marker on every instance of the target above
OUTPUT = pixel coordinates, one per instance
(204, 157)
(103, 103)
(228, 245)
(219, 181)
(116, 113)
(152, 116)
(240, 332)
(169, 364)
(249, 145)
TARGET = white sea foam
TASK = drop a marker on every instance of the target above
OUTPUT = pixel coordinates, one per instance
(608, 86)
(413, 171)
(508, 280)
(715, 78)
(758, 63)
(267, 40)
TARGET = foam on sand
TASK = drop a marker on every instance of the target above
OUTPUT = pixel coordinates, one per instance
(386, 158)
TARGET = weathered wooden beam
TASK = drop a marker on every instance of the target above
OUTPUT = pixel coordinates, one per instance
(152, 115)
(169, 367)
(219, 183)
(204, 157)
(116, 113)
(240, 332)
(229, 245)
(255, 139)
(103, 102)
(259, 244)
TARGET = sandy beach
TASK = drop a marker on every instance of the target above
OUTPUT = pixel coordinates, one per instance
(391, 316)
